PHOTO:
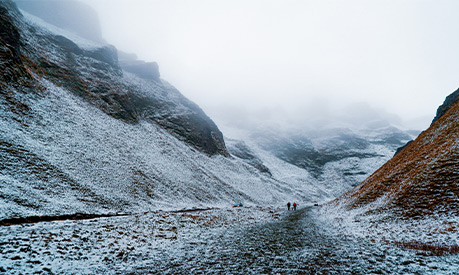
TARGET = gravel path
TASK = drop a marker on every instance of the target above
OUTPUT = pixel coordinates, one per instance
(296, 244)
(228, 241)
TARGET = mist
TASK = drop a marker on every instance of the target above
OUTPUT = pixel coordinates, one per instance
(297, 61)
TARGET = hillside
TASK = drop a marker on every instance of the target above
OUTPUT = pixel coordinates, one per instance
(336, 158)
(87, 128)
(78, 133)
(418, 189)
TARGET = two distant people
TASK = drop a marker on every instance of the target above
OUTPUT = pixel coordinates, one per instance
(289, 205)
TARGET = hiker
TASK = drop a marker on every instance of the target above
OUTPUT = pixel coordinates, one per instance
(294, 206)
(288, 206)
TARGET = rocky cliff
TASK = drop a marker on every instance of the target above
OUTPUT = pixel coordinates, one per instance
(449, 102)
(93, 72)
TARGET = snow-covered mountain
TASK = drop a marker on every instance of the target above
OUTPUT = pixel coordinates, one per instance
(336, 158)
(80, 134)
(86, 128)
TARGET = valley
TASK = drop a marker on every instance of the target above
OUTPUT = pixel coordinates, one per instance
(107, 168)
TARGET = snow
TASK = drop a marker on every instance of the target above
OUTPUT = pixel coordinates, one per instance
(333, 180)
(72, 157)
(438, 230)
(228, 240)
(107, 165)
(122, 243)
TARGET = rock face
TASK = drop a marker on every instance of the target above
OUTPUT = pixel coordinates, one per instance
(94, 73)
(146, 70)
(449, 102)
(70, 15)
(420, 181)
(10, 51)
(240, 150)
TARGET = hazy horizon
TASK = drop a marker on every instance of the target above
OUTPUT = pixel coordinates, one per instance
(296, 58)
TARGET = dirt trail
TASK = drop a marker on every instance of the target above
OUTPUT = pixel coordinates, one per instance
(296, 244)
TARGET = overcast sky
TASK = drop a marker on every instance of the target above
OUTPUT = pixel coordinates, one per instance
(292, 57)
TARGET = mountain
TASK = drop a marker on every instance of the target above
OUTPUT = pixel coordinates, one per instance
(450, 101)
(336, 158)
(78, 133)
(87, 128)
(417, 190)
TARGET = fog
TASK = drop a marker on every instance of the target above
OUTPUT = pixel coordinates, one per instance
(303, 60)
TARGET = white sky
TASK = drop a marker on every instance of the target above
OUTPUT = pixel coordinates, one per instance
(295, 57)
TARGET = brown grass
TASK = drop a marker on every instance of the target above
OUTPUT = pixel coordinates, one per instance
(435, 249)
(422, 179)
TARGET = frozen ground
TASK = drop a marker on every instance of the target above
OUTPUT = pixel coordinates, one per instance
(235, 241)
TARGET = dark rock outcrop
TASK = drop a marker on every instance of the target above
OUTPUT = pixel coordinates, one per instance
(9, 33)
(96, 75)
(240, 150)
(147, 70)
(10, 44)
(107, 54)
(449, 102)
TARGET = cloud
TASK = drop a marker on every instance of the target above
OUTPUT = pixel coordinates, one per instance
(400, 56)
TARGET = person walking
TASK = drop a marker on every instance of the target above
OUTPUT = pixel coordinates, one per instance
(288, 206)
(294, 206)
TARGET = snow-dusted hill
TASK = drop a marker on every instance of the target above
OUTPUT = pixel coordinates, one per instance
(413, 199)
(79, 134)
(83, 131)
(336, 159)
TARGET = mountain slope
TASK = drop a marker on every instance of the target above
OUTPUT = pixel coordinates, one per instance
(337, 159)
(422, 179)
(414, 197)
(80, 134)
